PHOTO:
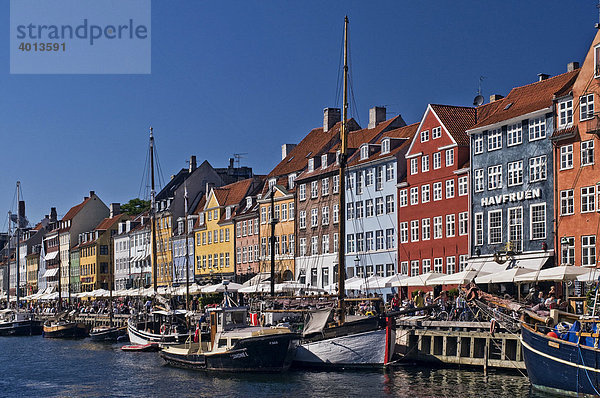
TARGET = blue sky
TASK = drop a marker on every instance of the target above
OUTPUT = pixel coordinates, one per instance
(247, 76)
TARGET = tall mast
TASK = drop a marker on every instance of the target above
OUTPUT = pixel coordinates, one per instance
(153, 211)
(17, 254)
(8, 263)
(272, 243)
(59, 262)
(187, 254)
(342, 198)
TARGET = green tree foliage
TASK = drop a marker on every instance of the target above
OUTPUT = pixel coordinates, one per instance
(135, 206)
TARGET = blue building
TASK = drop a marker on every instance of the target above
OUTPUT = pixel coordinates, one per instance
(512, 190)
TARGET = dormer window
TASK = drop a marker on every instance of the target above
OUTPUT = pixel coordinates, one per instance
(324, 161)
(311, 165)
(228, 213)
(201, 218)
(190, 224)
(291, 180)
(209, 215)
(364, 152)
(272, 182)
(565, 113)
(180, 227)
(385, 146)
(248, 202)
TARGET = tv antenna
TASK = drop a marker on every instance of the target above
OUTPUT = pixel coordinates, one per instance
(478, 100)
(238, 157)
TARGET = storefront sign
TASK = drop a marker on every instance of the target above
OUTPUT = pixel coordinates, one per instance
(511, 197)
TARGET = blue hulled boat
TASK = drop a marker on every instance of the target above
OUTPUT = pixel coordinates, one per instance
(563, 361)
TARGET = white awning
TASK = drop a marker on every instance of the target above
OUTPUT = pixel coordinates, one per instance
(50, 273)
(530, 261)
(51, 256)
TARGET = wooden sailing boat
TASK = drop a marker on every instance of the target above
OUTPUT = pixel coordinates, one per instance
(351, 343)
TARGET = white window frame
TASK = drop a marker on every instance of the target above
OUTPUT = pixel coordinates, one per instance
(479, 180)
(478, 144)
(414, 196)
(414, 230)
(424, 163)
(425, 265)
(565, 113)
(494, 139)
(437, 160)
(537, 169)
(515, 227)
(425, 193)
(450, 265)
(463, 223)
(438, 232)
(567, 202)
(404, 232)
(585, 148)
(514, 134)
(436, 132)
(449, 157)
(437, 191)
(450, 225)
(588, 250)
(494, 177)
(463, 185)
(514, 173)
(414, 166)
(566, 157)
(537, 128)
(449, 189)
(542, 222)
(403, 197)
(496, 230)
(424, 135)
(586, 107)
(588, 199)
(425, 229)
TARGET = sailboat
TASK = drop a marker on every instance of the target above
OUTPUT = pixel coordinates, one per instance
(164, 326)
(351, 343)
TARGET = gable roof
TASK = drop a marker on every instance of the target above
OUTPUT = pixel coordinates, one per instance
(529, 98)
(457, 120)
(75, 210)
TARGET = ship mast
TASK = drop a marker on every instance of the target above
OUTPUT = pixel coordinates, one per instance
(17, 254)
(342, 198)
(187, 248)
(153, 211)
(8, 263)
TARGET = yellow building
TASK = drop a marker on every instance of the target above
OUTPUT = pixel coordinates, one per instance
(164, 255)
(215, 239)
(95, 254)
(282, 204)
(33, 260)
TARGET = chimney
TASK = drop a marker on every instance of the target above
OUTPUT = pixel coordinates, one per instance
(542, 76)
(495, 97)
(376, 115)
(286, 149)
(231, 163)
(22, 209)
(53, 214)
(330, 117)
(115, 209)
(92, 193)
(571, 66)
(192, 163)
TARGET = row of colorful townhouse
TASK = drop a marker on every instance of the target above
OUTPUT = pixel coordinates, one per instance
(511, 180)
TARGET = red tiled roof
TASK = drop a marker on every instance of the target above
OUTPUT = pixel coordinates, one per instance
(232, 194)
(74, 210)
(407, 132)
(108, 222)
(457, 120)
(529, 98)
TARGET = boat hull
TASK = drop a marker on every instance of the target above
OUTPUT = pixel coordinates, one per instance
(108, 334)
(29, 327)
(138, 336)
(560, 367)
(359, 350)
(271, 353)
(72, 330)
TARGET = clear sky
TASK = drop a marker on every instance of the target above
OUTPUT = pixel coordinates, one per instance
(247, 76)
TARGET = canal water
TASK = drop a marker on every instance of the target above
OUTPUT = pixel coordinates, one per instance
(38, 367)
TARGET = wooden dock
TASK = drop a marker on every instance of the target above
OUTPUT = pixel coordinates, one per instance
(457, 343)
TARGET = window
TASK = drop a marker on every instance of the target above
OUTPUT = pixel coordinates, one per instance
(336, 184)
(567, 251)
(336, 213)
(291, 180)
(587, 152)
(425, 229)
(284, 216)
(426, 265)
(390, 203)
(349, 211)
(449, 157)
(565, 113)
(449, 189)
(311, 165)
(379, 207)
(290, 216)
(314, 245)
(463, 223)
(495, 227)
(494, 177)
(370, 209)
(494, 139)
(538, 221)
(369, 176)
(314, 189)
(403, 198)
(437, 160)
(566, 157)
(437, 227)
(463, 185)
(414, 231)
(414, 166)
(350, 181)
(379, 171)
(462, 262)
(436, 132)
(515, 173)
(478, 144)
(277, 215)
(586, 107)
(437, 191)
(425, 163)
(588, 251)
(438, 265)
(263, 246)
(314, 217)
(360, 209)
(385, 146)
(389, 172)
(414, 267)
(369, 241)
(414, 196)
(302, 192)
(325, 215)
(425, 194)
(302, 247)
(450, 225)
(479, 180)
(325, 186)
(284, 246)
(588, 203)
(424, 135)
(567, 201)
(404, 232)
(537, 128)
(359, 182)
(514, 135)
(379, 240)
(364, 152)
(515, 228)
(537, 168)
(292, 244)
(302, 219)
(404, 268)
(390, 240)
(450, 264)
(325, 244)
